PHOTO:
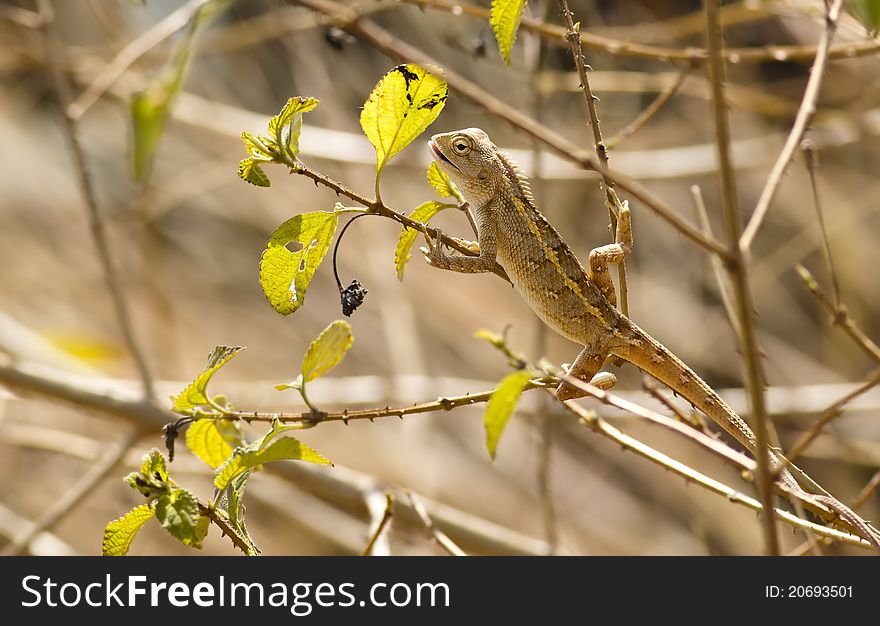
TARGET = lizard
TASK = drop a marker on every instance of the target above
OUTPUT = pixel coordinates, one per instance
(578, 303)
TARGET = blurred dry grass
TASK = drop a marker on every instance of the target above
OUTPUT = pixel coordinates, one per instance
(189, 244)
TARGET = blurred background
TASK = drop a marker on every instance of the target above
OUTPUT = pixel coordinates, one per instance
(187, 245)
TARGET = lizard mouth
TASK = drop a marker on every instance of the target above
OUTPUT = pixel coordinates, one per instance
(438, 153)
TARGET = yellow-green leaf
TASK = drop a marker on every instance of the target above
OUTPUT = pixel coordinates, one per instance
(258, 146)
(442, 184)
(153, 464)
(501, 406)
(422, 213)
(327, 350)
(249, 170)
(151, 108)
(178, 512)
(402, 105)
(868, 12)
(504, 20)
(213, 440)
(195, 394)
(121, 532)
(286, 448)
(285, 127)
(285, 275)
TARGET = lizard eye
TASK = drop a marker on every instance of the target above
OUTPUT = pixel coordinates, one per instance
(461, 145)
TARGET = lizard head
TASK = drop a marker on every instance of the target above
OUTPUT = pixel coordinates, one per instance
(471, 160)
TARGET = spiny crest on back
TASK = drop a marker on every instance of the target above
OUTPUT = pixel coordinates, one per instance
(516, 176)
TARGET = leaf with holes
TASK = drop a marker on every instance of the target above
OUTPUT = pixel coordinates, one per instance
(504, 19)
(401, 106)
(213, 440)
(501, 406)
(178, 512)
(442, 184)
(284, 274)
(422, 213)
(195, 395)
(283, 449)
(121, 532)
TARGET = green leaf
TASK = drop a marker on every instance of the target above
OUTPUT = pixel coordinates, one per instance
(259, 147)
(120, 532)
(249, 170)
(213, 440)
(153, 480)
(285, 127)
(504, 20)
(154, 465)
(442, 184)
(151, 108)
(422, 213)
(235, 509)
(401, 106)
(178, 512)
(327, 350)
(501, 406)
(285, 275)
(868, 12)
(195, 395)
(286, 448)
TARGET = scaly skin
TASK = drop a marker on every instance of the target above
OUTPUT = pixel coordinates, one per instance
(577, 303)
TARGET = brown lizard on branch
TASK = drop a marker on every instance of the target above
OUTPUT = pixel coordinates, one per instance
(578, 303)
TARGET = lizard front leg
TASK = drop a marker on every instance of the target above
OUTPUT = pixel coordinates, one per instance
(603, 256)
(485, 262)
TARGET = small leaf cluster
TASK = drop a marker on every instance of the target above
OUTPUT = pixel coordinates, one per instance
(400, 107)
(214, 435)
(175, 508)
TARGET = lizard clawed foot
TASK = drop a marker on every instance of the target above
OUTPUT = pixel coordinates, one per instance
(434, 256)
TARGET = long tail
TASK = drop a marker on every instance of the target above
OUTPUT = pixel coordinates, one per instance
(650, 356)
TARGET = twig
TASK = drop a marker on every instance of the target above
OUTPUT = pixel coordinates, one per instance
(225, 529)
(654, 391)
(840, 315)
(439, 536)
(717, 266)
(385, 42)
(762, 54)
(307, 417)
(651, 110)
(380, 522)
(75, 494)
(343, 488)
(830, 413)
(737, 271)
(111, 72)
(377, 207)
(802, 120)
(603, 428)
(96, 222)
(573, 37)
(810, 158)
(20, 16)
(867, 491)
(43, 544)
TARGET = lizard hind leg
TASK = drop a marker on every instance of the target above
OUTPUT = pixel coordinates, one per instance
(603, 256)
(586, 368)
